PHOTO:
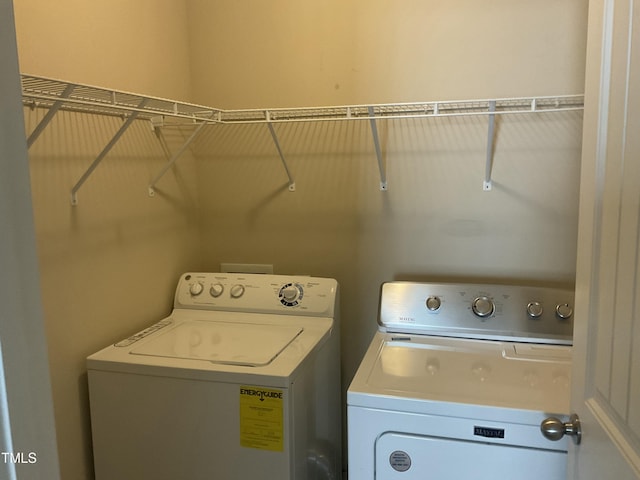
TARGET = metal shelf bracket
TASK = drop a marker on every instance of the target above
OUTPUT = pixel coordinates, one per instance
(55, 95)
(49, 116)
(105, 151)
(174, 158)
(292, 183)
(376, 144)
(486, 185)
(156, 126)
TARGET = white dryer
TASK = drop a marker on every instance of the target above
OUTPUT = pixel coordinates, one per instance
(243, 378)
(464, 381)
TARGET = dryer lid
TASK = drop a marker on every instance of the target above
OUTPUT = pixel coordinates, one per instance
(220, 342)
(472, 372)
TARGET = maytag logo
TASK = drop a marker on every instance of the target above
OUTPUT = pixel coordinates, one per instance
(407, 319)
(488, 432)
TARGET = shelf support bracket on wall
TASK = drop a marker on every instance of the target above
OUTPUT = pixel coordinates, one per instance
(156, 125)
(174, 158)
(105, 151)
(292, 183)
(49, 116)
(486, 185)
(376, 144)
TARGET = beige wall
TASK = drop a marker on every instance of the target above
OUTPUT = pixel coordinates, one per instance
(109, 265)
(281, 53)
(138, 46)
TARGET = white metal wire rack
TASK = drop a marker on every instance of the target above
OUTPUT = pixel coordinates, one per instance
(406, 110)
(55, 95)
(46, 92)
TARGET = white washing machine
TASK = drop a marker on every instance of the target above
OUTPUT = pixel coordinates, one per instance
(241, 380)
(464, 382)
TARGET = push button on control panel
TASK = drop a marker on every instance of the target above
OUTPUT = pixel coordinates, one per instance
(534, 309)
(564, 311)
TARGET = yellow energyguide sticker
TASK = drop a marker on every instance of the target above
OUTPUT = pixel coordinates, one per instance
(261, 418)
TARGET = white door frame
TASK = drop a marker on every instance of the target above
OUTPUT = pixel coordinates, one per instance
(27, 432)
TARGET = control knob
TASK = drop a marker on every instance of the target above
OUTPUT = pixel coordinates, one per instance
(483, 307)
(564, 311)
(196, 289)
(433, 303)
(237, 291)
(216, 290)
(290, 294)
(534, 309)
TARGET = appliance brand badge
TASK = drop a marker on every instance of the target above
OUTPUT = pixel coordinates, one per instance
(488, 432)
(406, 319)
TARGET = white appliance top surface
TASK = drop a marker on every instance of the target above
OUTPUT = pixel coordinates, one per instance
(469, 350)
(235, 343)
(418, 372)
(221, 346)
(231, 326)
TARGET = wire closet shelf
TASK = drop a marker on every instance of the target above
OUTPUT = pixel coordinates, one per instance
(56, 95)
(46, 93)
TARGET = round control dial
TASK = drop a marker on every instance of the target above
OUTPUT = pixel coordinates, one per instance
(483, 307)
(534, 309)
(433, 303)
(216, 290)
(196, 289)
(236, 291)
(564, 311)
(290, 294)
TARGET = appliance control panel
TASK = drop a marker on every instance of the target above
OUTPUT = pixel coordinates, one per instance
(257, 293)
(492, 312)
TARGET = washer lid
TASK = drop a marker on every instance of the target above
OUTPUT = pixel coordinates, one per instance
(220, 342)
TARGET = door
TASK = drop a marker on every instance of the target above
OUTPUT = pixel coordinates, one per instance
(606, 388)
(27, 433)
(400, 456)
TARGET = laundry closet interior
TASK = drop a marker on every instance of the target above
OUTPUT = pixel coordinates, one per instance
(363, 195)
